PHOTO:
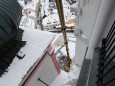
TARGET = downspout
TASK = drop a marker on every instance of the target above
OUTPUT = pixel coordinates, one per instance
(99, 27)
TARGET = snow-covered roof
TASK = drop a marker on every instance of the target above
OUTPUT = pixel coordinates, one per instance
(37, 42)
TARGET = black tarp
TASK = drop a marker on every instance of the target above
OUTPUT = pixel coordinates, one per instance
(10, 15)
(10, 34)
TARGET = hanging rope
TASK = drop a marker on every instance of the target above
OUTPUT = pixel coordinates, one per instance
(61, 16)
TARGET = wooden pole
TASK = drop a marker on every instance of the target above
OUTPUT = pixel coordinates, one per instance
(62, 21)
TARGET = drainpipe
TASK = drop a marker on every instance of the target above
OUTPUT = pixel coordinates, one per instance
(100, 25)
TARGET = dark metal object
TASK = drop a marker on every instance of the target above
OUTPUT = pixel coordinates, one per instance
(10, 15)
(10, 34)
(42, 82)
(106, 57)
(20, 57)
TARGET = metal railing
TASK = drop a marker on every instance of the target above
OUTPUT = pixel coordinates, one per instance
(106, 57)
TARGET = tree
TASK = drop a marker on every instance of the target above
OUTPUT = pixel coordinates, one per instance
(38, 20)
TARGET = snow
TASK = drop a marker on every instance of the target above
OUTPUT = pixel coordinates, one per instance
(65, 77)
(67, 25)
(70, 25)
(21, 3)
(71, 38)
(58, 41)
(75, 5)
(61, 79)
(20, 53)
(37, 42)
(27, 22)
(71, 49)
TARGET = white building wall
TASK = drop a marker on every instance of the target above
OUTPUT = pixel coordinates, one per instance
(108, 27)
(81, 45)
(85, 22)
(88, 16)
(109, 24)
(105, 11)
(92, 23)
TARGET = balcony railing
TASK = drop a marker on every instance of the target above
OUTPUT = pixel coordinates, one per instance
(106, 57)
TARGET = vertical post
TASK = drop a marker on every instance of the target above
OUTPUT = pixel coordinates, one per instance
(37, 10)
(61, 16)
(38, 16)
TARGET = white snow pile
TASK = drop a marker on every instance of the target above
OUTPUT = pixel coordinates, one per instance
(65, 77)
